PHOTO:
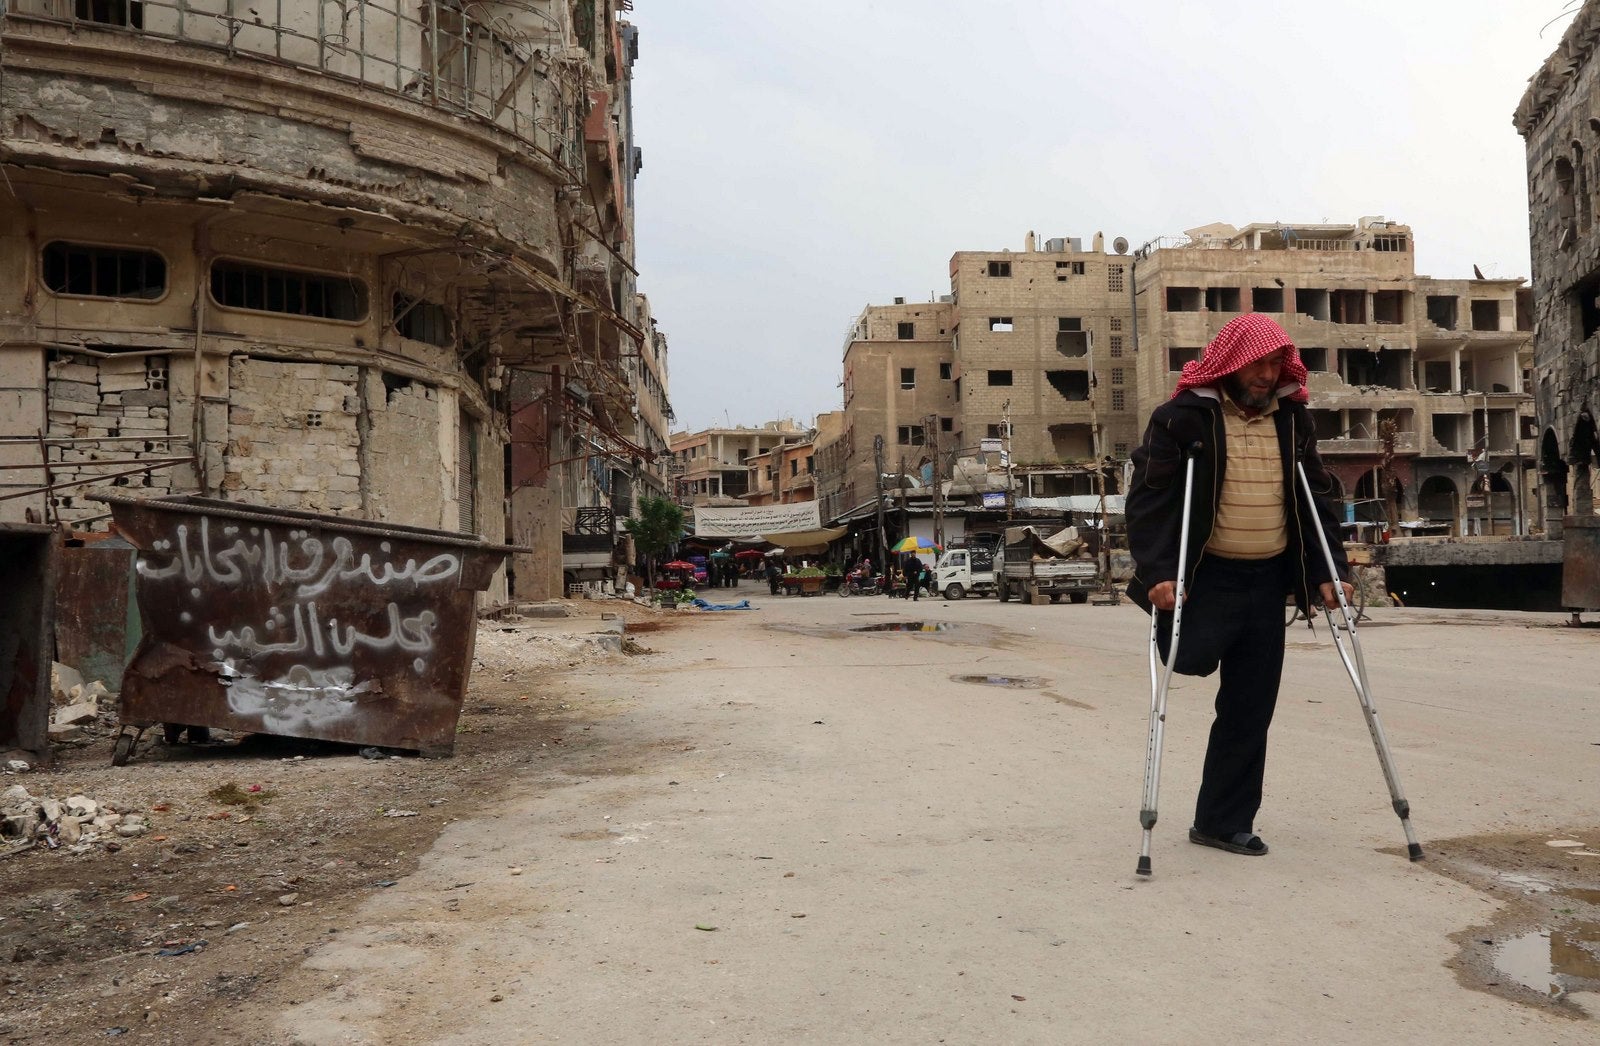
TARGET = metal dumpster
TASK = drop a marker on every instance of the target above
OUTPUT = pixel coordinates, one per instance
(297, 624)
(27, 587)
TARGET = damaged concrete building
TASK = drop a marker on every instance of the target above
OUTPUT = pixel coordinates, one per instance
(712, 466)
(1030, 348)
(369, 259)
(1559, 120)
(1419, 386)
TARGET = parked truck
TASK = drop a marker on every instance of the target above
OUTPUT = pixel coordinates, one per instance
(966, 571)
(1053, 565)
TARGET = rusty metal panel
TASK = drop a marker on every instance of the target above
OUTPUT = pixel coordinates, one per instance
(300, 624)
(97, 619)
(1580, 563)
(27, 581)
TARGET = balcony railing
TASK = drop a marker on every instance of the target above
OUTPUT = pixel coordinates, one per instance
(440, 53)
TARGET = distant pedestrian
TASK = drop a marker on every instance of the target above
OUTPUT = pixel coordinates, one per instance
(773, 576)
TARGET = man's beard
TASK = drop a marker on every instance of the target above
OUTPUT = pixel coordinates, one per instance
(1241, 394)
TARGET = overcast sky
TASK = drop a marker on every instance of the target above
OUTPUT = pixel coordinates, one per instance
(804, 159)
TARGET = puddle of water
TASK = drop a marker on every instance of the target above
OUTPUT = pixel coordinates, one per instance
(1528, 883)
(1553, 962)
(1009, 682)
(907, 626)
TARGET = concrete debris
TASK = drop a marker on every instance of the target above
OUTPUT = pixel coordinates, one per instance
(73, 715)
(76, 822)
(18, 766)
(62, 680)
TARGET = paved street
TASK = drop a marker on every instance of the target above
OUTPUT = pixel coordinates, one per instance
(776, 830)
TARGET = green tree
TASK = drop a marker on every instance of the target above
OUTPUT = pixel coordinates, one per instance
(657, 527)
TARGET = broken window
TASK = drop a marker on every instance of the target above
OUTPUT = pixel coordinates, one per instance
(1448, 430)
(1524, 307)
(1389, 307)
(1349, 307)
(1442, 311)
(1314, 358)
(1119, 399)
(999, 431)
(1486, 315)
(1583, 188)
(1566, 203)
(999, 377)
(1586, 305)
(240, 285)
(1266, 299)
(420, 320)
(1114, 282)
(1222, 299)
(1001, 324)
(1390, 369)
(1068, 268)
(1177, 356)
(129, 14)
(906, 331)
(947, 424)
(1071, 442)
(104, 272)
(1389, 243)
(1326, 424)
(1183, 299)
(944, 372)
(1436, 375)
(908, 377)
(911, 436)
(999, 268)
(1072, 343)
(1311, 302)
(1072, 384)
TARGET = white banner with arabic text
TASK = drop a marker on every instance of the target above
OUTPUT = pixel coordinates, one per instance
(760, 519)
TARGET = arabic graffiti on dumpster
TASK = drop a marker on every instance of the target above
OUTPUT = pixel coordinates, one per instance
(288, 616)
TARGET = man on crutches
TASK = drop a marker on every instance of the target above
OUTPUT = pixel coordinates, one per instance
(1222, 455)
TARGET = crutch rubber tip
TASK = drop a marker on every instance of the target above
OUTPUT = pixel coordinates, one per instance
(1144, 865)
(1415, 850)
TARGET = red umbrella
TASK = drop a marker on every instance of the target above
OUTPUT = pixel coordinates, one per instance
(748, 553)
(678, 564)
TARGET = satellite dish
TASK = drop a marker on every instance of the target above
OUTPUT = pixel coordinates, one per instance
(1120, 245)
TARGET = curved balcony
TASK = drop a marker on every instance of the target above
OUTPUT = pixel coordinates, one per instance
(486, 62)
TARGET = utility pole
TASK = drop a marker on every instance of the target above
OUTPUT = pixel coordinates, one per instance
(932, 424)
(1005, 436)
(1103, 544)
(883, 540)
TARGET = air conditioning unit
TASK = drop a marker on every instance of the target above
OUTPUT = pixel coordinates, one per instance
(947, 298)
(1056, 245)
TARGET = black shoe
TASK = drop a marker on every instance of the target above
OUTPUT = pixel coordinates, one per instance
(1238, 843)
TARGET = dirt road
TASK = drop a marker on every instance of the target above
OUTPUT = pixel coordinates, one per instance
(775, 829)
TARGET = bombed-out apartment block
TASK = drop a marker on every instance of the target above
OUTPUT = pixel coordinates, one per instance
(1559, 119)
(318, 256)
(712, 466)
(1419, 386)
(1031, 351)
(899, 385)
(788, 472)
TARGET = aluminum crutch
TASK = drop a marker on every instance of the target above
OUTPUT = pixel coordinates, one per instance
(1356, 666)
(1161, 675)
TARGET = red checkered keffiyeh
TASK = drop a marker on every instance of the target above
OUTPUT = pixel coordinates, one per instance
(1243, 341)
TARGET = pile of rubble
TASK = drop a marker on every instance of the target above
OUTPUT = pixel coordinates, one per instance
(79, 708)
(76, 822)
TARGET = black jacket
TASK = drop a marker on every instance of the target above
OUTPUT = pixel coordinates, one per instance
(1191, 422)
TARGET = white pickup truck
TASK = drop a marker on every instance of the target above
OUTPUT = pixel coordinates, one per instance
(965, 571)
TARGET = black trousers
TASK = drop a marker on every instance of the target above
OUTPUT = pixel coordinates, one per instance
(1233, 619)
